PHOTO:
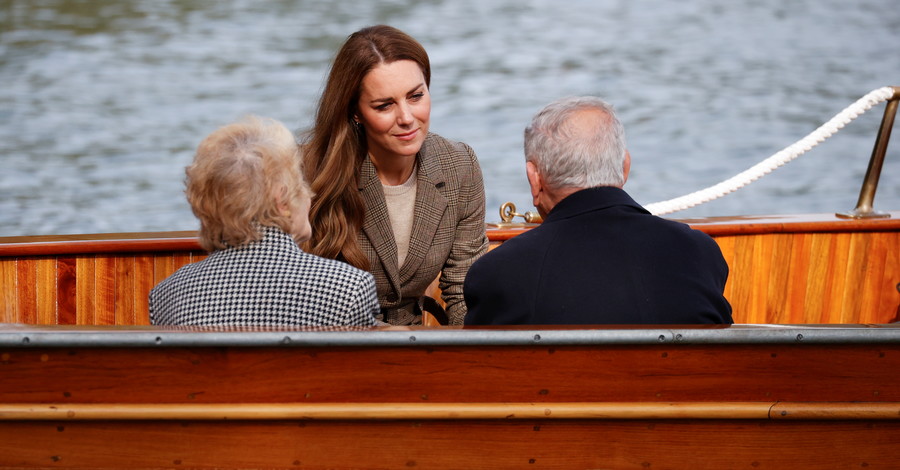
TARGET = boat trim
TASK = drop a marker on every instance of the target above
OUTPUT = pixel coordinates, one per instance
(449, 411)
(36, 336)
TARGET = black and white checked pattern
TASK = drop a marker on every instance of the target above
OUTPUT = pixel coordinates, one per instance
(269, 282)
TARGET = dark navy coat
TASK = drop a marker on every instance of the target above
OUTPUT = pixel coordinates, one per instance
(600, 258)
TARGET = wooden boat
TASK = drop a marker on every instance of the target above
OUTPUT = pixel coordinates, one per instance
(806, 379)
(743, 396)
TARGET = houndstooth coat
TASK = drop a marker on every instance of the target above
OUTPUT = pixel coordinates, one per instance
(448, 232)
(268, 282)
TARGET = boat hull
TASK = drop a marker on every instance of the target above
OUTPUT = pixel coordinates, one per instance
(681, 397)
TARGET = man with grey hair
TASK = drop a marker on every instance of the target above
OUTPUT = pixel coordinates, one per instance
(598, 257)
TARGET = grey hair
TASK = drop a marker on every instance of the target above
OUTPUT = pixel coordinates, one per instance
(566, 158)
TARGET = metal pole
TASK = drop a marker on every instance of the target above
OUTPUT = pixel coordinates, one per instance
(865, 205)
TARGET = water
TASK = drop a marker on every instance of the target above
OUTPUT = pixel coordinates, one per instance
(103, 102)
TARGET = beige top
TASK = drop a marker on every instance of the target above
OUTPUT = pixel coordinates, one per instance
(401, 202)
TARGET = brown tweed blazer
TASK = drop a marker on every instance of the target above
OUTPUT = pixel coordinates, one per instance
(448, 232)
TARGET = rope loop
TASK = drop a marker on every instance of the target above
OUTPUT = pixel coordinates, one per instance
(780, 158)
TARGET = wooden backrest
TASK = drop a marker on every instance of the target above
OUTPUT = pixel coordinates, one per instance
(791, 269)
(88, 280)
(767, 397)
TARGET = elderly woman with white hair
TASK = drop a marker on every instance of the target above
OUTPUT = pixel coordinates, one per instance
(247, 188)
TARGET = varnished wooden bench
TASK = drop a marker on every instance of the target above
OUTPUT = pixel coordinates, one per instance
(680, 397)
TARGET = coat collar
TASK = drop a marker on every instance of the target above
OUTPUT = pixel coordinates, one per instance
(592, 199)
(429, 210)
(377, 224)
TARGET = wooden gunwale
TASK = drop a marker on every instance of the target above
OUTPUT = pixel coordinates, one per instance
(754, 225)
(187, 240)
(138, 242)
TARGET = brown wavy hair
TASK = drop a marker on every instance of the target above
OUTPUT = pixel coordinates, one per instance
(239, 174)
(336, 146)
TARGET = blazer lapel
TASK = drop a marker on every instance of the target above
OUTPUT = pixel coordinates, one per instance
(430, 208)
(377, 224)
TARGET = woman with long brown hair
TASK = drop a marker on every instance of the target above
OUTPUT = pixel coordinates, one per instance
(391, 197)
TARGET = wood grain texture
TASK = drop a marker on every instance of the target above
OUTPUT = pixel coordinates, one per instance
(884, 274)
(46, 290)
(800, 379)
(99, 243)
(8, 290)
(26, 291)
(813, 277)
(797, 286)
(66, 290)
(431, 411)
(125, 294)
(85, 290)
(726, 245)
(105, 288)
(143, 283)
(787, 269)
(163, 266)
(730, 410)
(440, 444)
(608, 373)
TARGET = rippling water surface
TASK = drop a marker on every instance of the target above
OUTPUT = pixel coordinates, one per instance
(103, 102)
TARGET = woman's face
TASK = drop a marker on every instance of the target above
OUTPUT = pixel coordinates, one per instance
(394, 108)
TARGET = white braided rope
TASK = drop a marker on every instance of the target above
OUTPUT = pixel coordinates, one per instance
(766, 166)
